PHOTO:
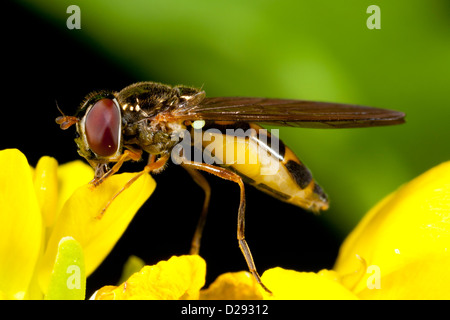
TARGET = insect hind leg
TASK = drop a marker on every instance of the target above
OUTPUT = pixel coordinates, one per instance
(231, 176)
(203, 183)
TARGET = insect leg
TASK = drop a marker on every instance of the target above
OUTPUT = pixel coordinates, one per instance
(147, 169)
(151, 159)
(231, 176)
(127, 155)
(203, 183)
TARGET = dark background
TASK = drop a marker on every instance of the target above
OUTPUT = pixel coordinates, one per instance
(293, 50)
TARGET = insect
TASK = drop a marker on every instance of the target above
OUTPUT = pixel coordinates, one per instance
(148, 117)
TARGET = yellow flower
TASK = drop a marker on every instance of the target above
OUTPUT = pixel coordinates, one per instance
(48, 214)
(405, 241)
(183, 277)
(52, 239)
(178, 278)
(398, 251)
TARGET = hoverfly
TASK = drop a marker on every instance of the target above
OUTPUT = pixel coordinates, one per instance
(114, 127)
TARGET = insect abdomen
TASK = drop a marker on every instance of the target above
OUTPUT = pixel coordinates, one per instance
(264, 162)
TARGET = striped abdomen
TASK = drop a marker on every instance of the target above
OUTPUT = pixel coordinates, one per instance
(264, 162)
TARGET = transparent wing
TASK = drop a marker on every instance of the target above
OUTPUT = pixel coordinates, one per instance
(298, 113)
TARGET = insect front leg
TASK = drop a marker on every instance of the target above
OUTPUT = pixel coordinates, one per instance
(151, 166)
(231, 176)
(127, 155)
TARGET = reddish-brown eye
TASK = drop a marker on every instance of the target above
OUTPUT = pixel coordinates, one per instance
(102, 127)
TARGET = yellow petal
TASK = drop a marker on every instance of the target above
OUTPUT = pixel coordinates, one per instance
(80, 219)
(411, 224)
(71, 176)
(294, 285)
(233, 286)
(177, 278)
(68, 280)
(20, 224)
(416, 280)
(46, 187)
(132, 265)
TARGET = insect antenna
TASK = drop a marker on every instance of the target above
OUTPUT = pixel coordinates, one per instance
(65, 121)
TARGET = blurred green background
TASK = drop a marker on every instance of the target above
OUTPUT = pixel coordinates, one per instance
(314, 50)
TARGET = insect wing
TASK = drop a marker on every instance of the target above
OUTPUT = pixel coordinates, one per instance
(297, 113)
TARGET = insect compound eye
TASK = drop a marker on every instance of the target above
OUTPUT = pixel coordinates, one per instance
(102, 127)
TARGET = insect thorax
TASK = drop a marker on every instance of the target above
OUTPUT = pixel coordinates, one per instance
(146, 114)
